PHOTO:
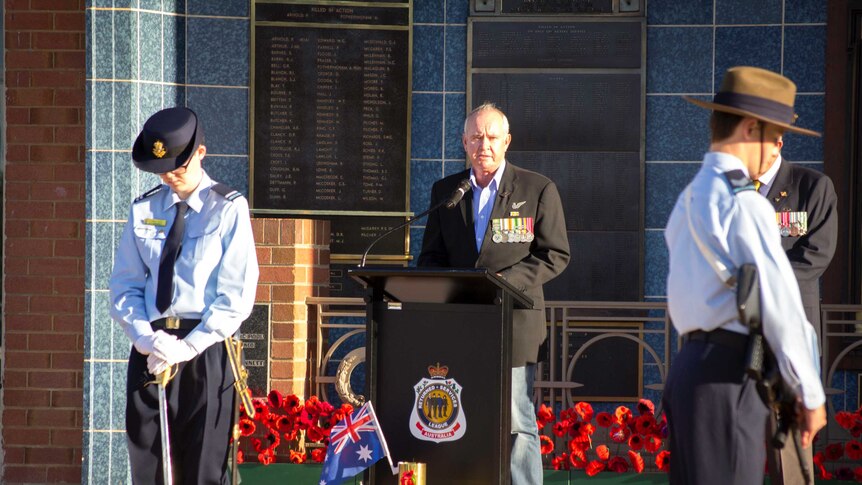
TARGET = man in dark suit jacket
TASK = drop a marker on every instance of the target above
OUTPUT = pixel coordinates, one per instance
(805, 206)
(512, 224)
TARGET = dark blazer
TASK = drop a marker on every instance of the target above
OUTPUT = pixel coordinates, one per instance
(450, 242)
(797, 189)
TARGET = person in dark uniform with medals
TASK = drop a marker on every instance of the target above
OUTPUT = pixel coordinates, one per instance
(513, 225)
(716, 419)
(184, 279)
(807, 218)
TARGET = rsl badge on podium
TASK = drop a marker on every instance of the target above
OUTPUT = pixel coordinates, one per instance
(437, 413)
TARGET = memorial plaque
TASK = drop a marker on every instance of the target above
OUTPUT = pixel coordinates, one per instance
(351, 235)
(254, 334)
(556, 44)
(331, 104)
(558, 6)
(573, 91)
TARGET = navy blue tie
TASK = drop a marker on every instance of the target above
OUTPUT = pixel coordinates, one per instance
(165, 289)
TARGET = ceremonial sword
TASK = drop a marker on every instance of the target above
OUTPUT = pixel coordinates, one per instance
(162, 381)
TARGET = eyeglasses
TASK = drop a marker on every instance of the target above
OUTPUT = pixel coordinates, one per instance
(181, 169)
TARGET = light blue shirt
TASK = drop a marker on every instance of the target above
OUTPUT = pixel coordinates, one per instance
(483, 203)
(215, 276)
(768, 177)
(738, 229)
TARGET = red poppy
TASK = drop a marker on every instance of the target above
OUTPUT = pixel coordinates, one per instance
(274, 438)
(325, 409)
(266, 457)
(283, 423)
(312, 406)
(257, 444)
(240, 457)
(853, 449)
(297, 457)
(274, 399)
(618, 464)
(845, 419)
(645, 424)
(261, 411)
(662, 461)
(314, 434)
(578, 447)
(584, 410)
(561, 428)
(637, 461)
(857, 474)
(856, 429)
(834, 451)
(307, 419)
(603, 452)
(246, 427)
(652, 443)
(819, 458)
(318, 455)
(844, 473)
(544, 415)
(290, 435)
(646, 406)
(578, 460)
(605, 419)
(619, 433)
(636, 442)
(595, 467)
(825, 475)
(547, 445)
(623, 414)
(561, 462)
(568, 415)
(291, 404)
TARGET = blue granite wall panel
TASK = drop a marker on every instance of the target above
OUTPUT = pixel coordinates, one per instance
(674, 12)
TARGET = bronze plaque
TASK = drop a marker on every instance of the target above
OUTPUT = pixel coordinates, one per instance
(254, 334)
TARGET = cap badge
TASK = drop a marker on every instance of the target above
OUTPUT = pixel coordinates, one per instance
(159, 149)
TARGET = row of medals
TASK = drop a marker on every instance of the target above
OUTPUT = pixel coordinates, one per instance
(792, 223)
(518, 233)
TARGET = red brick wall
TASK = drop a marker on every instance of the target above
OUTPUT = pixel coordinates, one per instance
(44, 248)
(294, 264)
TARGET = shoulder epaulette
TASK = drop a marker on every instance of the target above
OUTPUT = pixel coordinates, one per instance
(225, 191)
(738, 181)
(149, 193)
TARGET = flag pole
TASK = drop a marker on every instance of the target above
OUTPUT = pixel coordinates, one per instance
(379, 430)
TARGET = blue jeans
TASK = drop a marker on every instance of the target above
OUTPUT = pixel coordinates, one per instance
(526, 461)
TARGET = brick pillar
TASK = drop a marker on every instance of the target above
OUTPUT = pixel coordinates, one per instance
(44, 242)
(294, 264)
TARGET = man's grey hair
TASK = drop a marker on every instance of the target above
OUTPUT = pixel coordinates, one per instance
(487, 106)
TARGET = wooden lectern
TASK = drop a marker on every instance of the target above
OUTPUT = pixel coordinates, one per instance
(438, 363)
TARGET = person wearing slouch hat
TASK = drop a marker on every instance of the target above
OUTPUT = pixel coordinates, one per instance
(716, 418)
(184, 279)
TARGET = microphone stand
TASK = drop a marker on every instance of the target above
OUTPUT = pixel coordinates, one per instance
(406, 223)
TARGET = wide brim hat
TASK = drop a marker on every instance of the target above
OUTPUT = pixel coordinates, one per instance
(167, 140)
(756, 93)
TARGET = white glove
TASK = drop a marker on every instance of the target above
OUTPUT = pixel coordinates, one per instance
(156, 365)
(145, 343)
(173, 350)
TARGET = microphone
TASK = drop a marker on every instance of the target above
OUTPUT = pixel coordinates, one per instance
(450, 202)
(463, 188)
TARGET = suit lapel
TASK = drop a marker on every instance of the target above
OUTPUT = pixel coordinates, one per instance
(782, 184)
(501, 202)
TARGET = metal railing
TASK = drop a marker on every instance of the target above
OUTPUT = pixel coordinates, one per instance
(575, 330)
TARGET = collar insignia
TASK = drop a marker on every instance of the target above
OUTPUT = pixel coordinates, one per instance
(159, 149)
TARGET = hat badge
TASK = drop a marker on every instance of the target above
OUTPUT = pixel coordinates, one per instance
(159, 149)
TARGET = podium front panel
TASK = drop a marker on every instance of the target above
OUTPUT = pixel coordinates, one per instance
(414, 347)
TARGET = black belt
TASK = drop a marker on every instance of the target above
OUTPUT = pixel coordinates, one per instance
(725, 338)
(175, 323)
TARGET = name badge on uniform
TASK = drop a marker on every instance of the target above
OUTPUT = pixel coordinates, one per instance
(512, 230)
(155, 222)
(792, 224)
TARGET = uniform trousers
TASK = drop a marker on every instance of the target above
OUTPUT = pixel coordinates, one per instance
(716, 419)
(526, 457)
(201, 400)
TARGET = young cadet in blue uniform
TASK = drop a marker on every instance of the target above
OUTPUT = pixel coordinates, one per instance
(717, 421)
(512, 224)
(184, 279)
